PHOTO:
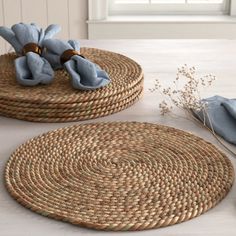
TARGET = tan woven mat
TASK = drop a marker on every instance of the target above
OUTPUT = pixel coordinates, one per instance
(59, 97)
(119, 176)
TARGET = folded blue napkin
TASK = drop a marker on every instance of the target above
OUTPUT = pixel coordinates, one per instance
(31, 68)
(85, 75)
(221, 116)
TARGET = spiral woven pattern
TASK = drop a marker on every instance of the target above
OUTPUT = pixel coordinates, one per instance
(119, 176)
(74, 116)
(60, 97)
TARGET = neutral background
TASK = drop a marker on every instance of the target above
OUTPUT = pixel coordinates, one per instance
(159, 59)
(70, 14)
(79, 21)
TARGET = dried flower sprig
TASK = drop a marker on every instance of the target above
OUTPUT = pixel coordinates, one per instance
(188, 97)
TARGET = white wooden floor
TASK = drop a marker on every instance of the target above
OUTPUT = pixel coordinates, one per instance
(159, 59)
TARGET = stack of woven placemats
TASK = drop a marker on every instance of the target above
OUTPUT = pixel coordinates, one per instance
(60, 102)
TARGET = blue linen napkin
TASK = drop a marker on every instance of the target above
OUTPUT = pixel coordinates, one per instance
(221, 116)
(31, 69)
(85, 75)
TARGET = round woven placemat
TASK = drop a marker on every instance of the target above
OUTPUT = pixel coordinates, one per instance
(55, 115)
(119, 176)
(75, 110)
(92, 104)
(43, 103)
(123, 71)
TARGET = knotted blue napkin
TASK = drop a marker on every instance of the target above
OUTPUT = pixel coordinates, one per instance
(85, 75)
(221, 116)
(31, 68)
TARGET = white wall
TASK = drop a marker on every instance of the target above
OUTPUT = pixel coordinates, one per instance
(164, 28)
(103, 26)
(70, 14)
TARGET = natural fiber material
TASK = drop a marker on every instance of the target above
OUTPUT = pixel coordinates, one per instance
(52, 117)
(124, 72)
(91, 104)
(119, 176)
(60, 97)
(76, 111)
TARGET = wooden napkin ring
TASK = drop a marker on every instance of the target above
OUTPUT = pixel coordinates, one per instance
(32, 47)
(66, 55)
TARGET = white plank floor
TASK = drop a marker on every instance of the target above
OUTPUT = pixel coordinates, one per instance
(159, 59)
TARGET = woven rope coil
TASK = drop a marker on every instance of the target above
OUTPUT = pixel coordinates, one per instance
(59, 97)
(93, 103)
(67, 116)
(119, 176)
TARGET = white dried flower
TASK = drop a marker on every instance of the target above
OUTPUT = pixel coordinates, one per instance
(187, 97)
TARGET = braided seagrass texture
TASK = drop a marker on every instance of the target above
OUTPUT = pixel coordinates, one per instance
(72, 116)
(119, 176)
(44, 103)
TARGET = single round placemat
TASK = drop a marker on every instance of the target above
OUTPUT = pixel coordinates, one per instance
(119, 176)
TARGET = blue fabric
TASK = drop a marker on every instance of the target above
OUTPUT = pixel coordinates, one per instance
(85, 75)
(222, 116)
(31, 69)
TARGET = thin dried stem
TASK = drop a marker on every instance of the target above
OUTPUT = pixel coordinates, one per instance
(188, 98)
